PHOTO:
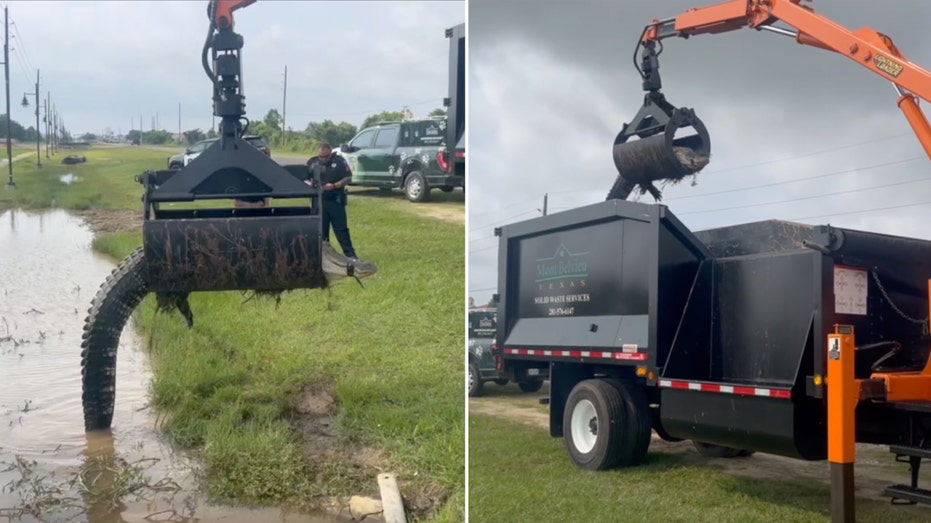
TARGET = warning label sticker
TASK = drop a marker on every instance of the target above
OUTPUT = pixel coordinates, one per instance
(850, 291)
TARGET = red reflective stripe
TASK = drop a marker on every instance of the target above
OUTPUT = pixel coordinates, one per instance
(723, 388)
(632, 356)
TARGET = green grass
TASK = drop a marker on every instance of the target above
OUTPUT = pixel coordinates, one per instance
(390, 354)
(107, 178)
(19, 150)
(520, 473)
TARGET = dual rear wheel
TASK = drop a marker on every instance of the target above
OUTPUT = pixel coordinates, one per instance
(608, 423)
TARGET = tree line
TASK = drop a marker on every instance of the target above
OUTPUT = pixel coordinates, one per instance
(26, 134)
(270, 127)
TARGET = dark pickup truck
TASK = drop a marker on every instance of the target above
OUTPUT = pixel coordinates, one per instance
(409, 155)
(417, 155)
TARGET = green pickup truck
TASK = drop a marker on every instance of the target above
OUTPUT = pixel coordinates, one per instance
(482, 368)
(409, 155)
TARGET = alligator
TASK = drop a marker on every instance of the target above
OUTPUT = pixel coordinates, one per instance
(336, 267)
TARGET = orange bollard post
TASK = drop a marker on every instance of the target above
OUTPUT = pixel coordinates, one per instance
(843, 395)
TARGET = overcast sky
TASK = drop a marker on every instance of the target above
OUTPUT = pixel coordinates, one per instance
(107, 62)
(551, 86)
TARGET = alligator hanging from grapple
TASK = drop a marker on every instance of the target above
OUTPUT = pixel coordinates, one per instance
(262, 248)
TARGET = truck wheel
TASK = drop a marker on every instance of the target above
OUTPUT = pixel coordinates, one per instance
(475, 381)
(416, 188)
(640, 424)
(530, 385)
(719, 451)
(601, 433)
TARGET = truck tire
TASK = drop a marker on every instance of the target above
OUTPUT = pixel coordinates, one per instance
(416, 188)
(600, 431)
(719, 451)
(640, 424)
(475, 381)
(530, 385)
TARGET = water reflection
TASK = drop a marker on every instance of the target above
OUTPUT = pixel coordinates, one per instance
(48, 277)
(98, 478)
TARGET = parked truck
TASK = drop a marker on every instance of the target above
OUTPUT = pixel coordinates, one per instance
(417, 155)
(779, 337)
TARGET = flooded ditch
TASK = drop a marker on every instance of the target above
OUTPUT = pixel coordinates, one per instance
(50, 470)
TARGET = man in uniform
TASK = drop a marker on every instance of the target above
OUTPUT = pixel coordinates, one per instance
(334, 175)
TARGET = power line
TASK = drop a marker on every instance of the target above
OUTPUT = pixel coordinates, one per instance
(824, 175)
(791, 200)
(767, 162)
(503, 219)
(483, 249)
(862, 211)
(22, 44)
(23, 69)
(814, 153)
(797, 180)
(368, 112)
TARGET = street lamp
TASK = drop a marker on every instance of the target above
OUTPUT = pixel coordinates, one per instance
(38, 135)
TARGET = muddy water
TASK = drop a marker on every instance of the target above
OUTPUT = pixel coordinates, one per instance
(48, 277)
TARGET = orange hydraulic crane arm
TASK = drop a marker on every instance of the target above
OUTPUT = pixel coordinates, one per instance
(866, 46)
(221, 11)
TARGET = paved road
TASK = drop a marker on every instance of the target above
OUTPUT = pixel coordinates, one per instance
(284, 159)
(17, 157)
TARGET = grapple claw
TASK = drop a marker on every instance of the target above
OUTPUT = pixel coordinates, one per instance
(656, 153)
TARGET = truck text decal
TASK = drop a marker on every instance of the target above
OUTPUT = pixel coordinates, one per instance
(562, 265)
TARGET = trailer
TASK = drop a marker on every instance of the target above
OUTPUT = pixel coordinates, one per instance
(726, 337)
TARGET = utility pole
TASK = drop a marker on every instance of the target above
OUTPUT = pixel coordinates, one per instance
(180, 137)
(38, 129)
(9, 118)
(546, 197)
(284, 108)
(48, 123)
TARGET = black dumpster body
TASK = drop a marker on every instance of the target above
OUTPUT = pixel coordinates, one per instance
(725, 327)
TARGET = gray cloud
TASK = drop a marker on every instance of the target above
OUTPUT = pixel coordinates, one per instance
(108, 62)
(552, 82)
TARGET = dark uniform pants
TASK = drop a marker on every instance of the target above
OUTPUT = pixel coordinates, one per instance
(334, 212)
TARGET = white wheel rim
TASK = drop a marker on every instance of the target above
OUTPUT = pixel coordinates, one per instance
(415, 187)
(584, 427)
(471, 378)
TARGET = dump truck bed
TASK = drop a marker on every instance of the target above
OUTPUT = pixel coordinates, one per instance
(729, 325)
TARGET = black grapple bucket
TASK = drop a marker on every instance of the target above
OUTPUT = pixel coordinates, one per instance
(662, 155)
(661, 143)
(267, 253)
(269, 248)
